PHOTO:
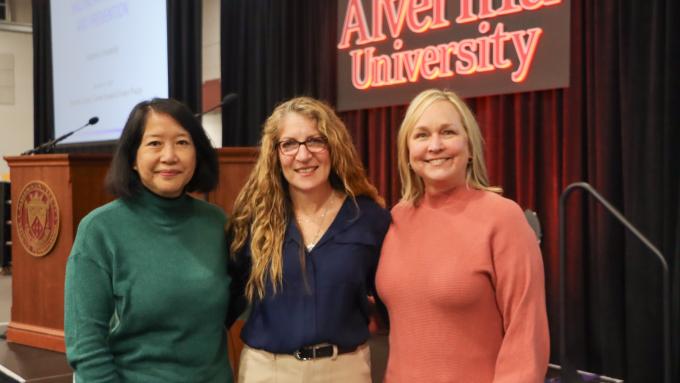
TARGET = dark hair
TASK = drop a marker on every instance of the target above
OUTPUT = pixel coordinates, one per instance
(123, 181)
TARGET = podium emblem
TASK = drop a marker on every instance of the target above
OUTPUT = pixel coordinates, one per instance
(37, 218)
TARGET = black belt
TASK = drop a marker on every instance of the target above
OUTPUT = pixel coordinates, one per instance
(320, 351)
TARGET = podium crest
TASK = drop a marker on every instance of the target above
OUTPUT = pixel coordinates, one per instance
(37, 218)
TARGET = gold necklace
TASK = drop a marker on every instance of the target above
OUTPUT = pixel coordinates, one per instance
(319, 226)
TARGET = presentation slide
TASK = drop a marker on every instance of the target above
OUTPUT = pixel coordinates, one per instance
(107, 55)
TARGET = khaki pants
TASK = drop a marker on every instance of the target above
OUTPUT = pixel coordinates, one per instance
(261, 366)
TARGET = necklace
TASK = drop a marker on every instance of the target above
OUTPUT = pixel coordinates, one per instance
(310, 245)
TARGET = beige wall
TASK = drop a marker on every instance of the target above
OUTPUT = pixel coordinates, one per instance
(16, 116)
(211, 39)
(21, 11)
(16, 113)
(212, 122)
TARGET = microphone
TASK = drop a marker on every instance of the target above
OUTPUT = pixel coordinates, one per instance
(226, 100)
(49, 145)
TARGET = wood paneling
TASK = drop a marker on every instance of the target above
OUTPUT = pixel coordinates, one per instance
(235, 167)
(210, 92)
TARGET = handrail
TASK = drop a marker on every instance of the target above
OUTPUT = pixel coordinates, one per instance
(568, 371)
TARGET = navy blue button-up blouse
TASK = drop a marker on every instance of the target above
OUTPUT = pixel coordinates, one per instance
(340, 272)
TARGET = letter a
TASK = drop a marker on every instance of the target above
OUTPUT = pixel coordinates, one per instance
(355, 22)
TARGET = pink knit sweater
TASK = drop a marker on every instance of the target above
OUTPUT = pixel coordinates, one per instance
(462, 278)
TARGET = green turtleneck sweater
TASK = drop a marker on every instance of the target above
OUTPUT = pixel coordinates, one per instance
(147, 293)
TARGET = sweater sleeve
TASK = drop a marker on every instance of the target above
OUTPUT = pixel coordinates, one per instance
(89, 310)
(520, 294)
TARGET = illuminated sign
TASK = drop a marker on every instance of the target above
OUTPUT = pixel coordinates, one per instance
(389, 50)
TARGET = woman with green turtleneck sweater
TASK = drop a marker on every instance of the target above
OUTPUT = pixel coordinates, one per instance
(147, 288)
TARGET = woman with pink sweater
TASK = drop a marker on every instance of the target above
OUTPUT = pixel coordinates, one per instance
(460, 271)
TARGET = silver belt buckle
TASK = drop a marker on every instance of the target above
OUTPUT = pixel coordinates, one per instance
(298, 355)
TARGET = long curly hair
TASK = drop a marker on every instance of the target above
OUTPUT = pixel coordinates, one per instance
(263, 207)
(412, 187)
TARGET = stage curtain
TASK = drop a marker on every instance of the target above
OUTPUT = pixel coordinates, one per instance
(616, 127)
(271, 51)
(43, 112)
(185, 51)
(649, 132)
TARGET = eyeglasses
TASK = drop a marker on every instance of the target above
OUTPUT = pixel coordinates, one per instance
(313, 144)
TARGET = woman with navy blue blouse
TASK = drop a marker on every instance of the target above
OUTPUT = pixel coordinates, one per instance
(307, 230)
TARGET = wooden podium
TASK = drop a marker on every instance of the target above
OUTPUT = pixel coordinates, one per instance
(77, 183)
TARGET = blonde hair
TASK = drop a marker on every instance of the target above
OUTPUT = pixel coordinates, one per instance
(412, 187)
(263, 207)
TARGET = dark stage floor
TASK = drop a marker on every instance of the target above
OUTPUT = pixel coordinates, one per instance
(27, 364)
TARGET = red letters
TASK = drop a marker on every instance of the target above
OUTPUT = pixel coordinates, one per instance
(418, 15)
(495, 49)
(355, 21)
(507, 7)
